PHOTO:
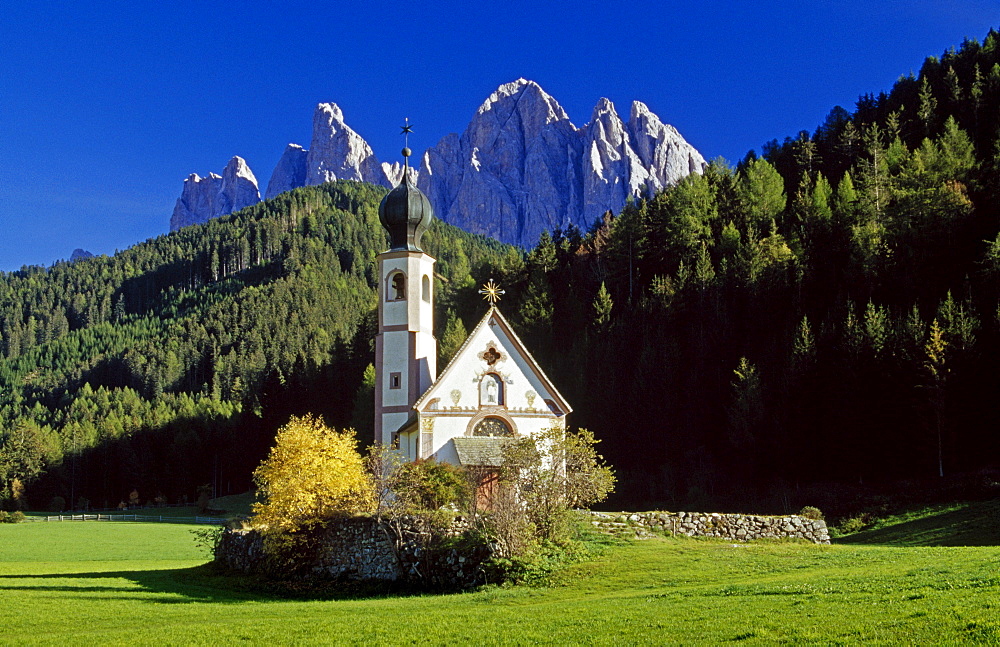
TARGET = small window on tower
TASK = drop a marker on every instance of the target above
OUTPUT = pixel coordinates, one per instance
(395, 380)
(397, 287)
(425, 288)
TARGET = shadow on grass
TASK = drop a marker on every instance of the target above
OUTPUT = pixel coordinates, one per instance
(974, 524)
(198, 584)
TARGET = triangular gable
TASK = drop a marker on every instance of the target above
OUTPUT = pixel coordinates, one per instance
(518, 355)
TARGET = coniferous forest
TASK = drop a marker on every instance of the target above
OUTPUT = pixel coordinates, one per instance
(824, 314)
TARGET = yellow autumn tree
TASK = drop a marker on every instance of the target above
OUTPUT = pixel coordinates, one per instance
(313, 473)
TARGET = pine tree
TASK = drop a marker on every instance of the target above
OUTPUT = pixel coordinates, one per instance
(748, 405)
(927, 108)
(764, 192)
(363, 416)
(452, 339)
(602, 309)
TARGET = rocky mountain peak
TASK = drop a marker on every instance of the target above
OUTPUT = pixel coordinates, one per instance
(661, 148)
(337, 152)
(605, 120)
(525, 97)
(333, 112)
(290, 173)
(215, 195)
(520, 166)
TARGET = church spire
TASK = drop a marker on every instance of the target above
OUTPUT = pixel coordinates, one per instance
(405, 212)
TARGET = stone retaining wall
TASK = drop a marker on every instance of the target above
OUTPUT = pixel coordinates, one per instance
(735, 527)
(362, 549)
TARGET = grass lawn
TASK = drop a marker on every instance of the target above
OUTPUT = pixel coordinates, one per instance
(955, 524)
(144, 583)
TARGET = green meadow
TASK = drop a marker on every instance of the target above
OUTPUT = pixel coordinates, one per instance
(146, 583)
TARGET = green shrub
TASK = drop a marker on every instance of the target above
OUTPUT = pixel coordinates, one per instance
(11, 517)
(429, 485)
(536, 566)
(207, 539)
(853, 524)
(810, 512)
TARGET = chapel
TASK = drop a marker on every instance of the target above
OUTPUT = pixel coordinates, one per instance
(490, 391)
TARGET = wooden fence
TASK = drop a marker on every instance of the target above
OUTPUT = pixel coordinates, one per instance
(126, 517)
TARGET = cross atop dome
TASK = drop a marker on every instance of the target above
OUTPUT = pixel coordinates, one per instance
(407, 129)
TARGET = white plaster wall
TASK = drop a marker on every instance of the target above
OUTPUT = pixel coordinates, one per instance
(452, 418)
(421, 312)
(395, 360)
(390, 423)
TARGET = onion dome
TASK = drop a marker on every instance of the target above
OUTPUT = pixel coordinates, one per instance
(405, 213)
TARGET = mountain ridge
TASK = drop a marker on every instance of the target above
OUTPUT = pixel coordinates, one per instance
(520, 167)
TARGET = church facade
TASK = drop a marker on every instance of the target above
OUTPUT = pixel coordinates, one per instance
(492, 389)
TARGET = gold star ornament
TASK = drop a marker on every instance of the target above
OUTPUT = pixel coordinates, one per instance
(491, 292)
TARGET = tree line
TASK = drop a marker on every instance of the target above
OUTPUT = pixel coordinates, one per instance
(171, 364)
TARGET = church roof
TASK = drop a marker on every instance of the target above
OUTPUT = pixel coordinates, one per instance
(494, 314)
(474, 450)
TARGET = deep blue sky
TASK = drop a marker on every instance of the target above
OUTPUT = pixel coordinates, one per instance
(106, 107)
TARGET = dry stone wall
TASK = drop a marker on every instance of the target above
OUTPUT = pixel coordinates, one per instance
(735, 527)
(362, 549)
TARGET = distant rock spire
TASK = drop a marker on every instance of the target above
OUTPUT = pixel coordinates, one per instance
(215, 195)
(339, 153)
(290, 173)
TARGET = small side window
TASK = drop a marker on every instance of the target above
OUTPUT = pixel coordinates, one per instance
(395, 380)
(425, 288)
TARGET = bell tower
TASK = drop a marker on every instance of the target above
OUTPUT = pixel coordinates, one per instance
(405, 348)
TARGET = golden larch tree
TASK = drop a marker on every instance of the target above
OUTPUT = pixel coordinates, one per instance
(312, 473)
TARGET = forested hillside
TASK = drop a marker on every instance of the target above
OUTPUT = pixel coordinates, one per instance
(827, 313)
(171, 364)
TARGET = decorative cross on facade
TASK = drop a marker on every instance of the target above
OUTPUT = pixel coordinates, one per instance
(491, 292)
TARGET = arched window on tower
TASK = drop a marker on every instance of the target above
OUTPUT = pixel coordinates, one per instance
(396, 287)
(425, 288)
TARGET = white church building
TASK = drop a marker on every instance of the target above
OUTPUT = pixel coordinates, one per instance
(491, 390)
